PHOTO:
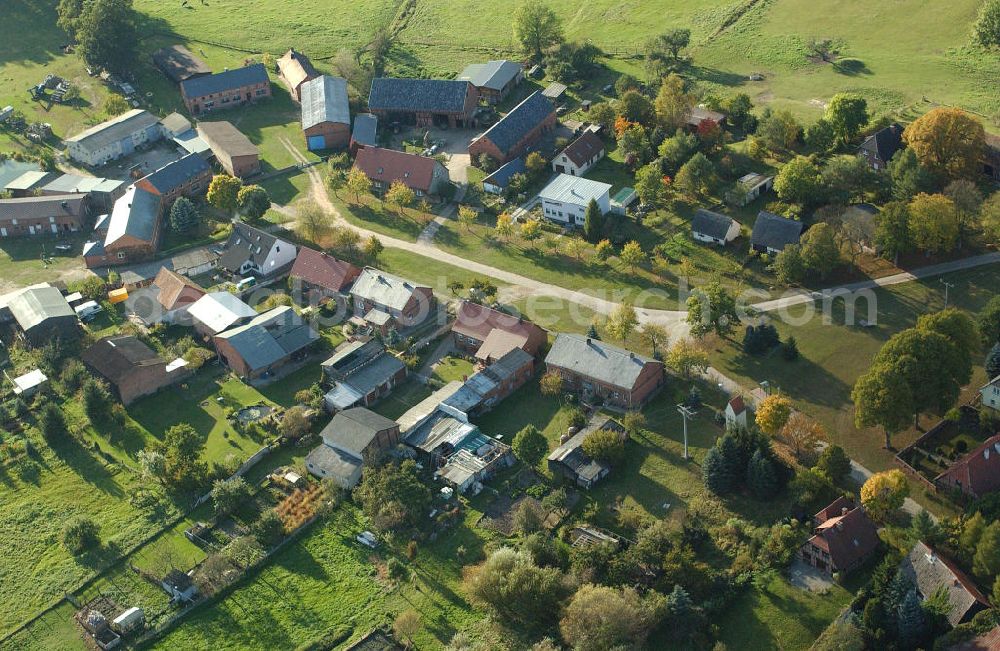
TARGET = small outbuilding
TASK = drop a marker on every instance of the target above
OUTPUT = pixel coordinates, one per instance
(30, 383)
(713, 227)
(772, 233)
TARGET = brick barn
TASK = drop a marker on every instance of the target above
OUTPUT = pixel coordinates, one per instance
(515, 133)
(326, 114)
(424, 102)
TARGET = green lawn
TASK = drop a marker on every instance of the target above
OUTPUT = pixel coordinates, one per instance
(21, 259)
(833, 356)
(373, 215)
(781, 617)
(453, 368)
(326, 584)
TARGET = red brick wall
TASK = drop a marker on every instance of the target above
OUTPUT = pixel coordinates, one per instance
(336, 135)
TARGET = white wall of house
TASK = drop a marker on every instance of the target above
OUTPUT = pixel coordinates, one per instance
(991, 395)
(731, 234)
(563, 164)
(572, 213)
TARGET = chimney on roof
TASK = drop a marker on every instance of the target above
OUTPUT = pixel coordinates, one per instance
(840, 526)
(588, 341)
(843, 510)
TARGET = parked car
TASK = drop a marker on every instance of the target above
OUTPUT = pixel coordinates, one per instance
(88, 310)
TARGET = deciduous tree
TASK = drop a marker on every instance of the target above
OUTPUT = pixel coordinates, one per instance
(892, 230)
(536, 28)
(512, 587)
(551, 384)
(798, 181)
(358, 184)
(948, 142)
(712, 309)
(686, 356)
(400, 195)
(987, 25)
(622, 321)
(773, 413)
(779, 130)
(820, 252)
(846, 113)
(697, 176)
(253, 201)
(107, 34)
(934, 223)
(632, 255)
(883, 493)
(224, 192)
(529, 445)
(882, 398)
(802, 434)
(673, 103)
(600, 617)
(466, 216)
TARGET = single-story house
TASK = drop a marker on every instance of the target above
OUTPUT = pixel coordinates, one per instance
(977, 473)
(571, 462)
(317, 277)
(265, 343)
(566, 197)
(424, 175)
(498, 181)
(490, 334)
(37, 215)
(294, 70)
(990, 394)
(251, 251)
(772, 233)
(931, 572)
(424, 102)
(751, 186)
(232, 149)
(132, 368)
(351, 437)
(226, 89)
(361, 373)
(699, 114)
(114, 138)
(494, 79)
(736, 413)
(179, 586)
(179, 64)
(364, 133)
(580, 155)
(489, 386)
(43, 315)
(405, 303)
(165, 301)
(217, 312)
(194, 262)
(843, 538)
(514, 134)
(713, 227)
(326, 115)
(602, 372)
(879, 148)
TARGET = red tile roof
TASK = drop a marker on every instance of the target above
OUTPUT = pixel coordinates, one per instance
(737, 405)
(989, 641)
(584, 148)
(176, 290)
(848, 538)
(388, 165)
(323, 270)
(833, 509)
(477, 321)
(979, 471)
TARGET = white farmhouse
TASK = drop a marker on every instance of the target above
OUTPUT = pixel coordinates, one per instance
(114, 138)
(565, 199)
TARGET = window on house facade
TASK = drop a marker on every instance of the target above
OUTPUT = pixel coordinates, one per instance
(261, 92)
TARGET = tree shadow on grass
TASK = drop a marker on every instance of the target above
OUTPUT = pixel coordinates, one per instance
(851, 67)
(716, 76)
(82, 462)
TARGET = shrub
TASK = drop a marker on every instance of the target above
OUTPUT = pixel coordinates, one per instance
(80, 535)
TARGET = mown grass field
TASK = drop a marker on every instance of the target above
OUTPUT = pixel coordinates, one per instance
(834, 355)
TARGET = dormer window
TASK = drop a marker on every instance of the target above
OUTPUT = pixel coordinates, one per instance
(379, 171)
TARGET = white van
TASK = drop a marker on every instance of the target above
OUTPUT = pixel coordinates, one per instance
(88, 310)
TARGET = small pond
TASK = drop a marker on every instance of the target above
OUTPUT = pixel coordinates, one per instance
(253, 413)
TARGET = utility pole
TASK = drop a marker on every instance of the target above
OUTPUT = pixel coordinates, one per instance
(947, 286)
(685, 412)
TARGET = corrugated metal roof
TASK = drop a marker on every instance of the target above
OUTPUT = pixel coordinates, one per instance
(365, 129)
(576, 190)
(492, 74)
(115, 129)
(34, 306)
(324, 99)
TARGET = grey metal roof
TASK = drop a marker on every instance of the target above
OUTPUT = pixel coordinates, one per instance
(335, 463)
(220, 310)
(35, 306)
(10, 169)
(115, 129)
(223, 81)
(432, 95)
(710, 223)
(575, 190)
(351, 355)
(775, 232)
(324, 99)
(492, 74)
(176, 123)
(571, 452)
(598, 360)
(134, 214)
(554, 90)
(509, 364)
(175, 174)
(41, 207)
(374, 374)
(383, 288)
(524, 117)
(365, 129)
(352, 430)
(270, 337)
(440, 430)
(29, 180)
(74, 183)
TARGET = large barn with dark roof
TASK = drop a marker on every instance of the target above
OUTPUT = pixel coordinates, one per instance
(515, 133)
(226, 89)
(424, 102)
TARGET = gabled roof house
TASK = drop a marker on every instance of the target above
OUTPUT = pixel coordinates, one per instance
(931, 572)
(321, 276)
(326, 114)
(602, 372)
(348, 439)
(132, 368)
(266, 342)
(422, 174)
(251, 251)
(517, 132)
(879, 148)
(843, 537)
(772, 233)
(977, 473)
(294, 70)
(713, 227)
